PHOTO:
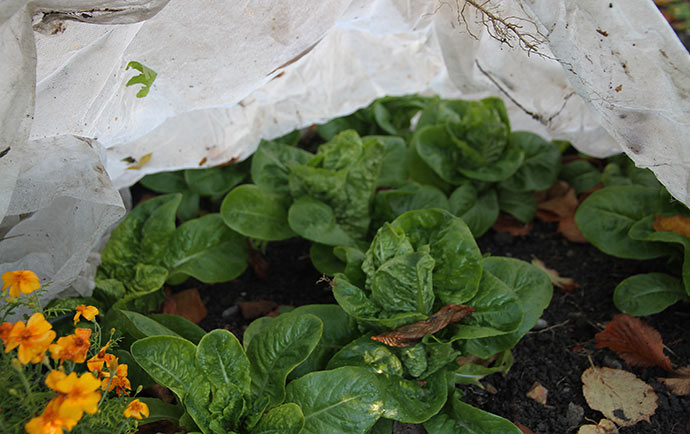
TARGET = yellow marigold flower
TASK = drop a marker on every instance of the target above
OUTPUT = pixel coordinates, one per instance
(136, 409)
(96, 362)
(50, 422)
(32, 338)
(72, 347)
(20, 281)
(80, 393)
(5, 329)
(88, 312)
(119, 381)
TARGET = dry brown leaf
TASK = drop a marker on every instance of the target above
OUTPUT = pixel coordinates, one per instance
(679, 384)
(619, 395)
(605, 426)
(412, 333)
(538, 393)
(255, 309)
(557, 202)
(636, 342)
(142, 161)
(569, 229)
(511, 225)
(565, 283)
(677, 224)
(186, 304)
(523, 428)
(257, 261)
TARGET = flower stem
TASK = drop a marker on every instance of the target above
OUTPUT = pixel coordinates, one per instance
(16, 364)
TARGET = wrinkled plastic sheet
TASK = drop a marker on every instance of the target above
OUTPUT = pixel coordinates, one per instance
(608, 76)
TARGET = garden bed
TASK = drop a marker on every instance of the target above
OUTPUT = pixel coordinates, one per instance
(555, 355)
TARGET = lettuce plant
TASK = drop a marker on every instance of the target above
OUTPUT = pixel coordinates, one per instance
(225, 387)
(323, 197)
(630, 220)
(212, 182)
(422, 261)
(147, 249)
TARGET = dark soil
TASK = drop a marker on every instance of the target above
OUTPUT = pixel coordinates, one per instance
(555, 355)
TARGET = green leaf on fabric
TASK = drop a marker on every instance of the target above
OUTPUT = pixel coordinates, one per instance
(147, 77)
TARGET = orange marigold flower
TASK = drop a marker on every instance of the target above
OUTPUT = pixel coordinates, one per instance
(119, 381)
(32, 338)
(50, 422)
(20, 281)
(88, 312)
(81, 393)
(5, 329)
(72, 347)
(136, 409)
(96, 362)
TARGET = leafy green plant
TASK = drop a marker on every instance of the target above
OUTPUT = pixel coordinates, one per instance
(636, 218)
(212, 183)
(424, 261)
(146, 77)
(225, 387)
(147, 249)
(323, 197)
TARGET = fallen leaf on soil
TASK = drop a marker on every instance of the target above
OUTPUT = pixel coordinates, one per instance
(523, 428)
(410, 334)
(538, 393)
(677, 224)
(255, 309)
(636, 342)
(511, 225)
(619, 395)
(679, 384)
(186, 304)
(605, 426)
(257, 261)
(141, 163)
(565, 283)
(558, 204)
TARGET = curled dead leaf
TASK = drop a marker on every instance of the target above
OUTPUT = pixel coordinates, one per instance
(558, 204)
(636, 342)
(565, 283)
(411, 334)
(679, 384)
(677, 224)
(619, 395)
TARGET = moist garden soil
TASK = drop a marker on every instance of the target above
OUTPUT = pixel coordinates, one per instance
(555, 355)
